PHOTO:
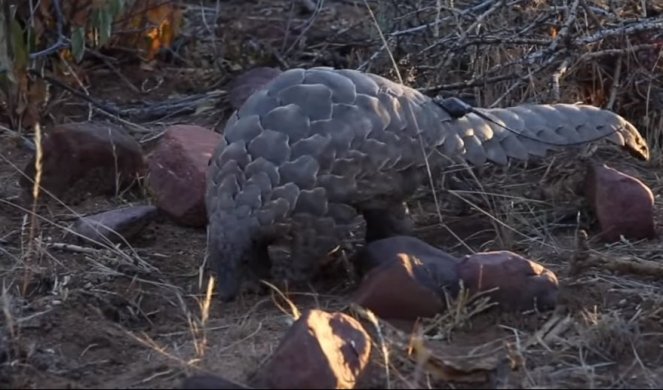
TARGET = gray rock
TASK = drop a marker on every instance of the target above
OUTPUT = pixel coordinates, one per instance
(114, 225)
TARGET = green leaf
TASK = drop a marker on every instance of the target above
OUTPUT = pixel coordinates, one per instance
(96, 26)
(5, 61)
(19, 46)
(6, 81)
(78, 43)
(33, 38)
(105, 25)
(116, 7)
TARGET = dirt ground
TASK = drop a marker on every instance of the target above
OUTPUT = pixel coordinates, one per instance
(92, 318)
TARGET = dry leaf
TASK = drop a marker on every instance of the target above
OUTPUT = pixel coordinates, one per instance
(158, 23)
(146, 25)
(454, 364)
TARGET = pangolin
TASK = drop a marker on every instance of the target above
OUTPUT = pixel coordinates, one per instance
(314, 149)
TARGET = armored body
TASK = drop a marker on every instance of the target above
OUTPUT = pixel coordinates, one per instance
(315, 148)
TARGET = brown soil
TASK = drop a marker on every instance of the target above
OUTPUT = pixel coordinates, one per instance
(94, 319)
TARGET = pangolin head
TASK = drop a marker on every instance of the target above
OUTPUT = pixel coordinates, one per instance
(226, 257)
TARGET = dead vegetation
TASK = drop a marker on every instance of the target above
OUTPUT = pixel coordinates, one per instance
(144, 316)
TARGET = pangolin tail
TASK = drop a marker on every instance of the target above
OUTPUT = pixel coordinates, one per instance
(534, 129)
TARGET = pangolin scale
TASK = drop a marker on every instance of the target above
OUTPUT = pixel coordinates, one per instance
(316, 148)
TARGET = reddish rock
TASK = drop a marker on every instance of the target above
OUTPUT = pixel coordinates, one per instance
(84, 159)
(116, 226)
(421, 272)
(521, 283)
(623, 204)
(411, 299)
(177, 172)
(387, 250)
(320, 351)
(244, 85)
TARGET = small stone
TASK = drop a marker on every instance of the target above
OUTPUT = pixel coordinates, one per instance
(209, 382)
(247, 83)
(116, 225)
(422, 273)
(623, 204)
(178, 171)
(86, 158)
(320, 351)
(522, 284)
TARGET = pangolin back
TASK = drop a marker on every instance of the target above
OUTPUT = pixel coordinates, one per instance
(318, 142)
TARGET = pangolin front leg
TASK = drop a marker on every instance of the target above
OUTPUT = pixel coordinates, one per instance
(383, 222)
(311, 241)
(388, 216)
(313, 238)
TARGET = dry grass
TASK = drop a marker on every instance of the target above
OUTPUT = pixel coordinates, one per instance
(143, 316)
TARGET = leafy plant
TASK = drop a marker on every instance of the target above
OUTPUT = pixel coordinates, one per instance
(53, 36)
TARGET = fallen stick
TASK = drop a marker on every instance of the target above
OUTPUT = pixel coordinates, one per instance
(584, 259)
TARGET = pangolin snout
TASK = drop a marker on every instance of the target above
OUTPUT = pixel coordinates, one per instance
(228, 285)
(228, 271)
(227, 295)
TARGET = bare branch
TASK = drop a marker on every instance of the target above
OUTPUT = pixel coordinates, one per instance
(629, 29)
(62, 41)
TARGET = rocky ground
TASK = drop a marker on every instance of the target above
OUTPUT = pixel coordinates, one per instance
(138, 313)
